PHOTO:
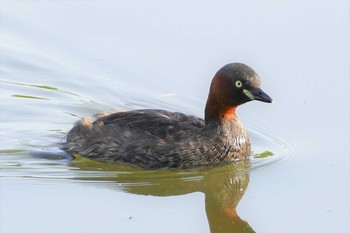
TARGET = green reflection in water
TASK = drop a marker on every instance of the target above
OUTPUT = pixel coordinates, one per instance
(29, 97)
(12, 151)
(40, 86)
(263, 155)
(223, 187)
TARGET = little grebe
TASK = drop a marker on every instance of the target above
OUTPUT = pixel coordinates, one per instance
(159, 139)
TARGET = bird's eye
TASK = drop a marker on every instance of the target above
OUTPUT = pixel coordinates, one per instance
(238, 83)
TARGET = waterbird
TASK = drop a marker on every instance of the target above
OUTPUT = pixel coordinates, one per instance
(152, 138)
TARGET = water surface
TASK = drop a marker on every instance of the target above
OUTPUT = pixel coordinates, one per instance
(61, 61)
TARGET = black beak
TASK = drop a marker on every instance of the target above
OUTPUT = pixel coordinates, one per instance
(258, 94)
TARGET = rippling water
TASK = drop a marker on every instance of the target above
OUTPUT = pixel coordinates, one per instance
(64, 61)
(34, 145)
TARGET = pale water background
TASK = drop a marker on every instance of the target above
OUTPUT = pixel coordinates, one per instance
(63, 60)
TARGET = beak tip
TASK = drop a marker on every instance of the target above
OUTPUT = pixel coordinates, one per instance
(262, 96)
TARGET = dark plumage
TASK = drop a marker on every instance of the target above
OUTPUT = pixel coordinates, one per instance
(157, 138)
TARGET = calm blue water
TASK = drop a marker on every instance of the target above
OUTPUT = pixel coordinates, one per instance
(61, 61)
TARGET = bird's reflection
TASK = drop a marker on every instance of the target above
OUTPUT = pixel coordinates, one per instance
(223, 187)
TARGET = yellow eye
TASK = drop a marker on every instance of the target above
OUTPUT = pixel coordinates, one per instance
(238, 83)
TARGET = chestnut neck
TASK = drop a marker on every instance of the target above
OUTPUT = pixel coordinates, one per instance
(217, 113)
